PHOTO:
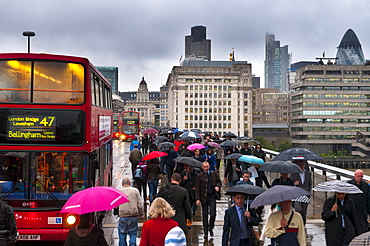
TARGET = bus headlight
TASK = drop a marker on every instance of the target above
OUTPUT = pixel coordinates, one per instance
(71, 219)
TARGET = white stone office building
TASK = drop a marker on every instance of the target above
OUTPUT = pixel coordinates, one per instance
(212, 96)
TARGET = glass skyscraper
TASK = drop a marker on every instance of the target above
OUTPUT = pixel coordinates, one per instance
(111, 74)
(350, 50)
(277, 62)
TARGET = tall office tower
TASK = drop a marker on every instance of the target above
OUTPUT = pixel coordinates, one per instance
(197, 44)
(111, 74)
(350, 50)
(277, 62)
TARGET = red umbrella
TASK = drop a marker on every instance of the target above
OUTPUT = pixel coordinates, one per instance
(150, 131)
(153, 155)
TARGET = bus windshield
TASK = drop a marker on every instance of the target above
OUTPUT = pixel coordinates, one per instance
(41, 82)
(42, 175)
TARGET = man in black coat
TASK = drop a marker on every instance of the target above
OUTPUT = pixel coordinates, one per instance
(178, 197)
(169, 162)
(207, 190)
(240, 222)
(361, 200)
(341, 224)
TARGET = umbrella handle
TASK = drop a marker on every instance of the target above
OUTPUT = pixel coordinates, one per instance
(247, 202)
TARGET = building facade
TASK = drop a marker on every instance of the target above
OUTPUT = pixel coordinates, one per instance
(163, 107)
(270, 106)
(197, 43)
(277, 63)
(330, 107)
(111, 74)
(144, 102)
(211, 96)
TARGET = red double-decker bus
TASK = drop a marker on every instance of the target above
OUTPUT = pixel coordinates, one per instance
(55, 138)
(117, 126)
(131, 125)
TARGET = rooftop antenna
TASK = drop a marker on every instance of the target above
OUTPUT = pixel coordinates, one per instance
(321, 62)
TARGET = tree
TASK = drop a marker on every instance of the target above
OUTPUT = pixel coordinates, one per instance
(264, 143)
(286, 144)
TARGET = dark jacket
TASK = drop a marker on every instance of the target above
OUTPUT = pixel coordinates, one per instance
(232, 221)
(153, 171)
(189, 183)
(229, 171)
(178, 197)
(260, 154)
(201, 186)
(333, 221)
(362, 204)
(7, 222)
(168, 160)
(95, 237)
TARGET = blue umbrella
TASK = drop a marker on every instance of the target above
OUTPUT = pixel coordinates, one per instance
(251, 159)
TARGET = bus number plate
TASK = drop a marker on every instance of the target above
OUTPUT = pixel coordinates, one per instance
(29, 237)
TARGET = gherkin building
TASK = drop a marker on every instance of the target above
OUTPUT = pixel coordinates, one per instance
(350, 50)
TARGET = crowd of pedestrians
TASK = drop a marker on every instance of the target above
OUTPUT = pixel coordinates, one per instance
(181, 188)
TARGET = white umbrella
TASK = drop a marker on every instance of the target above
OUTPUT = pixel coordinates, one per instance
(337, 186)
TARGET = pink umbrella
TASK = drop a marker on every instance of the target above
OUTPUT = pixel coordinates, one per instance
(150, 131)
(99, 198)
(195, 146)
(214, 145)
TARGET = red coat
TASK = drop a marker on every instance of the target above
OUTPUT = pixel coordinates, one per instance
(154, 231)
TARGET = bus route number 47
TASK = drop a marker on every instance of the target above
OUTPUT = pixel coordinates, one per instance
(47, 121)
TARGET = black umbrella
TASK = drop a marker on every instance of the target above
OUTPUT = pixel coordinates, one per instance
(166, 145)
(230, 135)
(245, 189)
(229, 143)
(188, 160)
(166, 132)
(160, 139)
(296, 154)
(279, 193)
(280, 167)
(242, 140)
(233, 156)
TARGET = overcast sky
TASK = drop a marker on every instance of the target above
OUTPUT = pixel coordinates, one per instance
(147, 37)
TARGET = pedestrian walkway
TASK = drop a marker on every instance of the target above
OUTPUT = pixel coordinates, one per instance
(314, 227)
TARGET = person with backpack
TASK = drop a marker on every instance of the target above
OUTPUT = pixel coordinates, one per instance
(8, 228)
(152, 176)
(140, 178)
(134, 158)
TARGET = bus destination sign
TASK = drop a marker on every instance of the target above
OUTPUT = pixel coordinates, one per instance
(31, 127)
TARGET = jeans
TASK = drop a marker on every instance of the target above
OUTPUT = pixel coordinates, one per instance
(127, 225)
(153, 186)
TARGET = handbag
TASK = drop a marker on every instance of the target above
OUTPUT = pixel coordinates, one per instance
(280, 237)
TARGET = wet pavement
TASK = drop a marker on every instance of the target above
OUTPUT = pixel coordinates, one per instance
(314, 227)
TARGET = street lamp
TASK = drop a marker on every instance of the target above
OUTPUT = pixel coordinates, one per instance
(29, 34)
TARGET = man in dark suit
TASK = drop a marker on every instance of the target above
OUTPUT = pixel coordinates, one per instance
(241, 233)
(178, 197)
(361, 200)
(207, 190)
(303, 180)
